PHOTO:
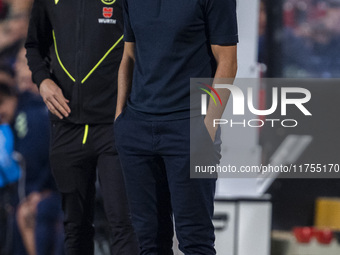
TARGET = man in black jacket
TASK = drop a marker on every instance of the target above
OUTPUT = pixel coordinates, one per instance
(74, 49)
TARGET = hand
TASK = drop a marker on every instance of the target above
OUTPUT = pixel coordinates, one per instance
(210, 127)
(54, 99)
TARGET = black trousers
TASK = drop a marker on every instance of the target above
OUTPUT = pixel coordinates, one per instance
(76, 152)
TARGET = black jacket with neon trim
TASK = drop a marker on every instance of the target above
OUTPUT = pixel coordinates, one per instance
(78, 44)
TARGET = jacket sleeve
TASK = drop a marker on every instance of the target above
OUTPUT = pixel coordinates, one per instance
(38, 42)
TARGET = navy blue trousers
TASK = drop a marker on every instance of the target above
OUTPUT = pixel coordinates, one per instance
(155, 157)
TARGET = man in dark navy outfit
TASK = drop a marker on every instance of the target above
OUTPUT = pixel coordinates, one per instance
(167, 42)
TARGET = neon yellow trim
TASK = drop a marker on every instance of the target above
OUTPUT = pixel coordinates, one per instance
(100, 61)
(108, 2)
(61, 64)
(56, 2)
(209, 95)
(86, 132)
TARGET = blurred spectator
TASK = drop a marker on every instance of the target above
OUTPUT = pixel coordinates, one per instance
(332, 17)
(9, 176)
(39, 212)
(7, 75)
(23, 74)
(3, 9)
(19, 6)
(13, 28)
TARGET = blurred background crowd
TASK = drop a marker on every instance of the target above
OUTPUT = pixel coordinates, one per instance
(312, 35)
(30, 208)
(303, 38)
(14, 18)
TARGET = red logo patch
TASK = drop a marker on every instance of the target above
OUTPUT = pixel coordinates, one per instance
(107, 12)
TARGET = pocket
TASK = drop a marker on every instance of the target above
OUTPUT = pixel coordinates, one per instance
(53, 132)
(200, 140)
(119, 117)
(205, 130)
(117, 130)
(203, 151)
(64, 176)
(212, 148)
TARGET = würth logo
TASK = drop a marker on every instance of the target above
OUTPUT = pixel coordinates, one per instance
(107, 12)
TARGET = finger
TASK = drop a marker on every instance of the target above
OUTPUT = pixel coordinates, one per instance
(59, 107)
(62, 100)
(53, 110)
(63, 103)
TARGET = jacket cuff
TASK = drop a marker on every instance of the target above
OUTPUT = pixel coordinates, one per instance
(39, 76)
